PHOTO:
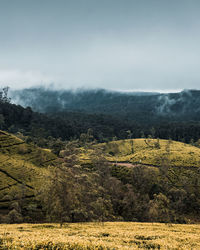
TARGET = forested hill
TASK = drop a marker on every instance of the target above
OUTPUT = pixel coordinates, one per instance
(15, 118)
(109, 115)
(182, 106)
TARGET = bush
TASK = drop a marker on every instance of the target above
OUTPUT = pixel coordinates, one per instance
(14, 216)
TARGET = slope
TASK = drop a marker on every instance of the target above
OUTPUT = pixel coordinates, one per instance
(153, 152)
(22, 167)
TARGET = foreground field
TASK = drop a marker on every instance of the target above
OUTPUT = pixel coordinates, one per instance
(109, 235)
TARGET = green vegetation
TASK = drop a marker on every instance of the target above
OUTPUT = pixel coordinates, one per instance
(94, 182)
(153, 152)
(22, 170)
(112, 114)
(109, 115)
(54, 170)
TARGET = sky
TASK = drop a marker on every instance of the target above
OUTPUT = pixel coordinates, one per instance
(145, 45)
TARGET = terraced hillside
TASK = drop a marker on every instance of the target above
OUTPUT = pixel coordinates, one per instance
(153, 152)
(167, 162)
(22, 168)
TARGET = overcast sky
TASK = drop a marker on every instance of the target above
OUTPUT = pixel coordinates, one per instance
(115, 44)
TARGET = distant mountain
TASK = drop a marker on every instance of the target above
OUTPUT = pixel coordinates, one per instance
(136, 106)
(110, 115)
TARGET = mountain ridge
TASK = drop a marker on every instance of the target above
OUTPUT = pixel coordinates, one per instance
(186, 102)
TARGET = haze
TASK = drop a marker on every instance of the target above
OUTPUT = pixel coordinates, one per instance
(114, 44)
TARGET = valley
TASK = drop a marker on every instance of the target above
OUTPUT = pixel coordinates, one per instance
(97, 173)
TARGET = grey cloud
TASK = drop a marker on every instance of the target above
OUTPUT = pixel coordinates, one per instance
(131, 44)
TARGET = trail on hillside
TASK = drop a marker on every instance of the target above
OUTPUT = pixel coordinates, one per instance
(136, 164)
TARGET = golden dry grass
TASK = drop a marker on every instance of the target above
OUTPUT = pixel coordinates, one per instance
(109, 235)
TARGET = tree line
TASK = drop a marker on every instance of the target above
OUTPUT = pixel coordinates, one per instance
(45, 129)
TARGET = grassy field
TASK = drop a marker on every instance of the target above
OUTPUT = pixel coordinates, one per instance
(108, 235)
(152, 151)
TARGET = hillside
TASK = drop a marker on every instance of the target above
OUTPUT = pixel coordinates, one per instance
(22, 169)
(75, 193)
(40, 127)
(182, 106)
(67, 114)
(153, 152)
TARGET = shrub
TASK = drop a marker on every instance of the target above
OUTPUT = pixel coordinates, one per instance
(14, 216)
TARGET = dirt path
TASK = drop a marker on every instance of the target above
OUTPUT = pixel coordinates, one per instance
(136, 164)
(125, 164)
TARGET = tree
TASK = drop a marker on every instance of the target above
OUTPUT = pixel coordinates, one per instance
(14, 216)
(78, 193)
(56, 145)
(153, 132)
(129, 134)
(4, 95)
(159, 208)
(59, 194)
(2, 121)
